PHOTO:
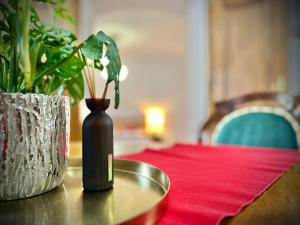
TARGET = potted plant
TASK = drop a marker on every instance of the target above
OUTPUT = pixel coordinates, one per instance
(38, 61)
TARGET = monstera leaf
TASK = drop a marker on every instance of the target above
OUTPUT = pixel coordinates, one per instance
(92, 48)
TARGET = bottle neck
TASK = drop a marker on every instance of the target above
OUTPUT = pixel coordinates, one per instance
(98, 111)
(97, 104)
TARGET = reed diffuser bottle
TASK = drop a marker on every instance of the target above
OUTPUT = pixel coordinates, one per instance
(97, 128)
(97, 147)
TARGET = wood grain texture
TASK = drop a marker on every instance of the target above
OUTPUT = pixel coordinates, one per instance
(248, 47)
(279, 205)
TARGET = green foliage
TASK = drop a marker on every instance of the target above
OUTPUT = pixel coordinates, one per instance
(93, 49)
(64, 14)
(37, 57)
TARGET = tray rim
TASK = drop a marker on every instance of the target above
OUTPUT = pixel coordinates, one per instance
(153, 213)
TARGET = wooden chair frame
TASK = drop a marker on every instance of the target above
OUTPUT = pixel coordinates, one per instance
(288, 102)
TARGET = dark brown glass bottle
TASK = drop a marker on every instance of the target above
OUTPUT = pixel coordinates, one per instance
(97, 147)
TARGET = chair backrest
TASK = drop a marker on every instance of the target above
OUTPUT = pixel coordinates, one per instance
(258, 126)
(289, 103)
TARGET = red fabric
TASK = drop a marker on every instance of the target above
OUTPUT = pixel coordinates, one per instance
(209, 183)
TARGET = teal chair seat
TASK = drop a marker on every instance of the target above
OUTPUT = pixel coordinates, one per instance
(258, 126)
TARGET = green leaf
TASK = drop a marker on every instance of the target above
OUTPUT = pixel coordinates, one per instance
(34, 52)
(56, 63)
(71, 68)
(114, 66)
(92, 48)
(55, 83)
(58, 36)
(117, 96)
(36, 22)
(64, 14)
(4, 26)
(102, 37)
(2, 88)
(75, 88)
(6, 7)
(67, 70)
(98, 65)
(2, 55)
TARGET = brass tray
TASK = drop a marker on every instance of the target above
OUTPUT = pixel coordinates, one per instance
(138, 197)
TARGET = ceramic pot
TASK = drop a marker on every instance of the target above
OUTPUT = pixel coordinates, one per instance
(34, 143)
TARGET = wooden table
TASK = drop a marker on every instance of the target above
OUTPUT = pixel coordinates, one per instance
(279, 205)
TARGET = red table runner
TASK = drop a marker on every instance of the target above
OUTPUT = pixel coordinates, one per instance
(211, 182)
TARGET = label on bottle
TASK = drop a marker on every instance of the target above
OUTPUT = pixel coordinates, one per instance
(110, 167)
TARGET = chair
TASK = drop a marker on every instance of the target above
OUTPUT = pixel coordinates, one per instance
(260, 119)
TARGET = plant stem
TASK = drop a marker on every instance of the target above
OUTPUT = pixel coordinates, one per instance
(16, 71)
(50, 69)
(105, 90)
(25, 44)
(88, 83)
(11, 69)
(86, 76)
(93, 80)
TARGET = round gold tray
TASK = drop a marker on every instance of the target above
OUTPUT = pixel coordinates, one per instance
(138, 197)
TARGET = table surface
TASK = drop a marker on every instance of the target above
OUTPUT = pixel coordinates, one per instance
(279, 205)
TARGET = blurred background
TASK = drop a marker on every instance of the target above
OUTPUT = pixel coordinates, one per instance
(184, 55)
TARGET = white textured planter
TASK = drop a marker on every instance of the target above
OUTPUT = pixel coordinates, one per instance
(34, 143)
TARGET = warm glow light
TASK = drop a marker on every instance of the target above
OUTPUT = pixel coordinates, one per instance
(122, 76)
(123, 73)
(104, 74)
(154, 121)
